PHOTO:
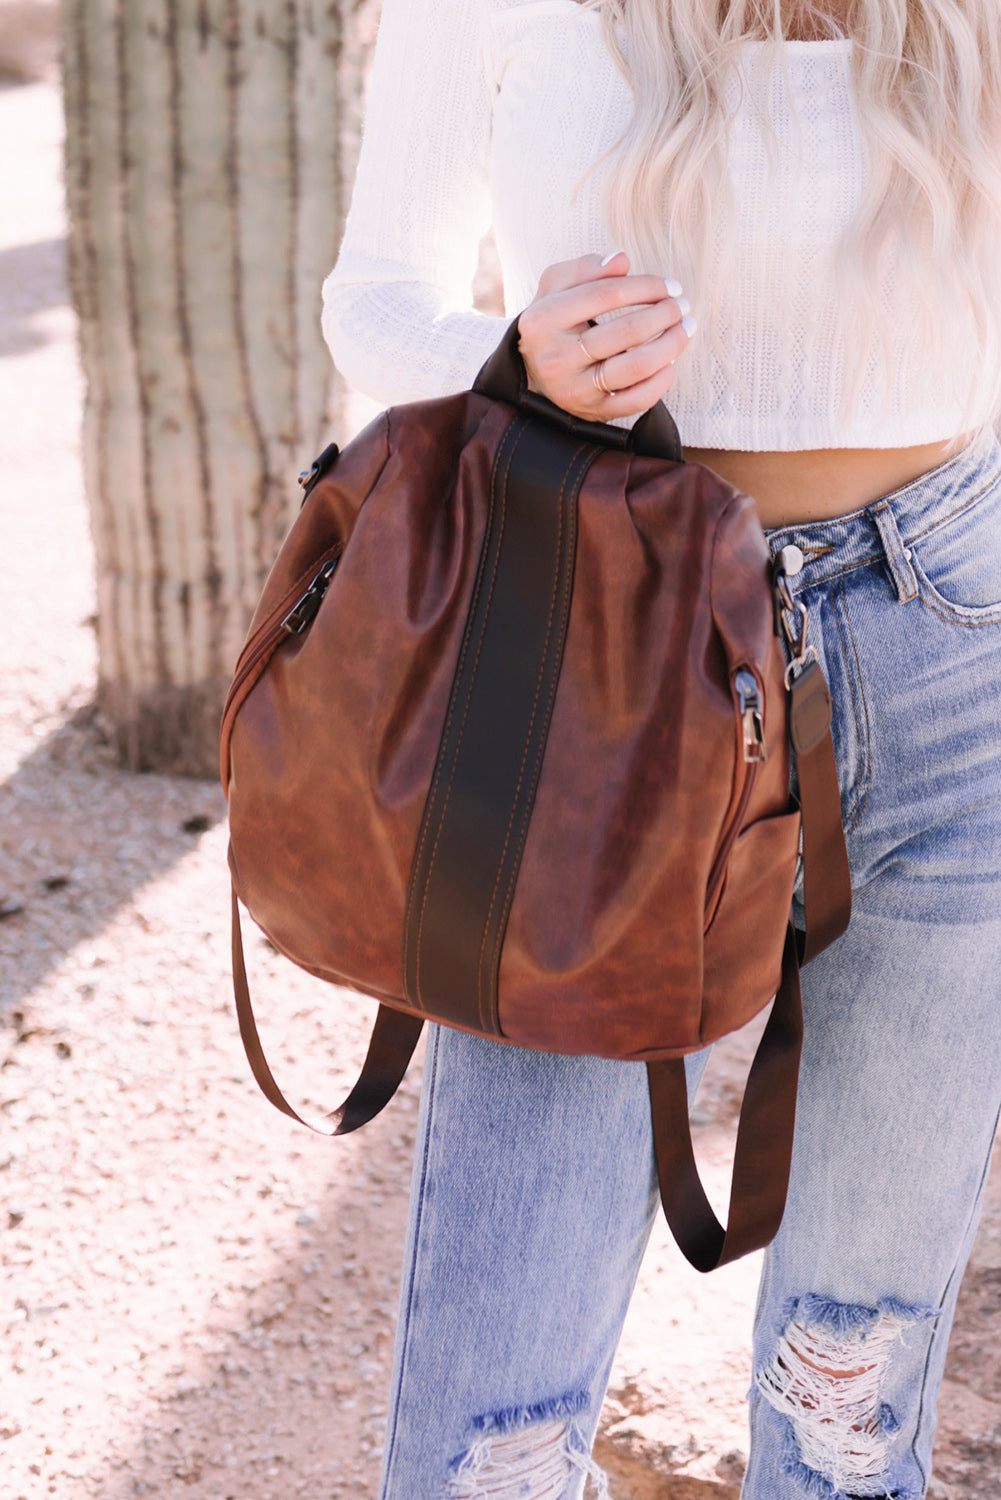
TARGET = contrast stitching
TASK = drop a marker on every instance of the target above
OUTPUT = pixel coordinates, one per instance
(938, 472)
(970, 616)
(481, 998)
(436, 778)
(521, 772)
(852, 567)
(523, 835)
(960, 510)
(800, 529)
(953, 515)
(465, 713)
(886, 503)
(956, 619)
(504, 448)
(524, 757)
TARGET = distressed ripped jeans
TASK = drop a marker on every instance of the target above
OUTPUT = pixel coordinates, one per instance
(534, 1187)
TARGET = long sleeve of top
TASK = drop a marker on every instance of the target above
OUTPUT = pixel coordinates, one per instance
(397, 311)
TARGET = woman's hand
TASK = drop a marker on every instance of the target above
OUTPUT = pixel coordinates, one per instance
(617, 368)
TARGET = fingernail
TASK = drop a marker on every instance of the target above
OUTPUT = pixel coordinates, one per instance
(683, 306)
(674, 288)
(609, 258)
(689, 325)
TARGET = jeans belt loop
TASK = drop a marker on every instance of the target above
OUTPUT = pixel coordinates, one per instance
(898, 556)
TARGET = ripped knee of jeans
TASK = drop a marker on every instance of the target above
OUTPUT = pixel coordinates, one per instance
(527, 1453)
(827, 1377)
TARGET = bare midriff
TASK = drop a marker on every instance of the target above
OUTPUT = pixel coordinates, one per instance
(817, 484)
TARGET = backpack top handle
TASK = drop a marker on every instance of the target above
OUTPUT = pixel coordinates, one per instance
(504, 378)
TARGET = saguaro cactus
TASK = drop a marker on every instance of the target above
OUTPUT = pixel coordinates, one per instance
(209, 153)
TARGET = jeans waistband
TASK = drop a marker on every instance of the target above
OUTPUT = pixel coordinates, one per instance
(887, 527)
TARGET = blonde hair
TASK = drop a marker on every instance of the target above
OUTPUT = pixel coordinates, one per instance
(927, 76)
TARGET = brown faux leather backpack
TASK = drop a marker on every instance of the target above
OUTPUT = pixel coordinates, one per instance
(507, 748)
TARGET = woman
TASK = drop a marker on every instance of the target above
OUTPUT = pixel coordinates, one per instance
(824, 182)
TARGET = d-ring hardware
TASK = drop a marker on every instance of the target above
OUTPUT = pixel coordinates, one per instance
(791, 612)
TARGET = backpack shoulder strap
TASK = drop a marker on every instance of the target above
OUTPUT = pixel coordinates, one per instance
(394, 1037)
(763, 1154)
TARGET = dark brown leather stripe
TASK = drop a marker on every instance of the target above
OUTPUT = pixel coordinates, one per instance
(551, 659)
(455, 718)
(484, 785)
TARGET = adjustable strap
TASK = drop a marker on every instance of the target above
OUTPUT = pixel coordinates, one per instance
(768, 1113)
(764, 1139)
(394, 1037)
(827, 887)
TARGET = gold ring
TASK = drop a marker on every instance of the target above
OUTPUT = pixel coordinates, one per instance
(589, 357)
(598, 376)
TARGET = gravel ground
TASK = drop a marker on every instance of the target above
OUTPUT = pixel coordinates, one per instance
(198, 1298)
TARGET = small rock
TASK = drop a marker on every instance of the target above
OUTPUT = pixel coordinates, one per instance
(197, 823)
(55, 882)
(10, 906)
(731, 1466)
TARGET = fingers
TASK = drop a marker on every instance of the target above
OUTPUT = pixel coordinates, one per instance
(637, 326)
(638, 364)
(570, 273)
(635, 400)
(607, 297)
(617, 367)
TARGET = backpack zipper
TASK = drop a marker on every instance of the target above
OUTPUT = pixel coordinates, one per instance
(749, 705)
(751, 715)
(292, 616)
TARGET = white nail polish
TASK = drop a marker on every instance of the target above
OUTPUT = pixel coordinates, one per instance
(683, 306)
(674, 288)
(689, 325)
(609, 258)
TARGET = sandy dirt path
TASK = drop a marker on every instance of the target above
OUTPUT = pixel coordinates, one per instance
(198, 1299)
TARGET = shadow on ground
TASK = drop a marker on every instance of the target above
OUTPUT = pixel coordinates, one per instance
(32, 280)
(66, 805)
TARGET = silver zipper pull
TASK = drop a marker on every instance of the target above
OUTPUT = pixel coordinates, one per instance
(303, 612)
(749, 699)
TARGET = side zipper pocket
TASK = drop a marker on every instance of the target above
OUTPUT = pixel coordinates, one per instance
(291, 617)
(748, 701)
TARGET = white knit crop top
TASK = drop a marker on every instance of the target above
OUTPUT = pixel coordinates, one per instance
(491, 111)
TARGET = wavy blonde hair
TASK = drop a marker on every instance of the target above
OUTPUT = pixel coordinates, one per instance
(927, 76)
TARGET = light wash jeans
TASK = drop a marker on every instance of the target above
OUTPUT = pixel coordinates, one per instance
(534, 1184)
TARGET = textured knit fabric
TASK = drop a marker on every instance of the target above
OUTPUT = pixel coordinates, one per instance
(492, 111)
